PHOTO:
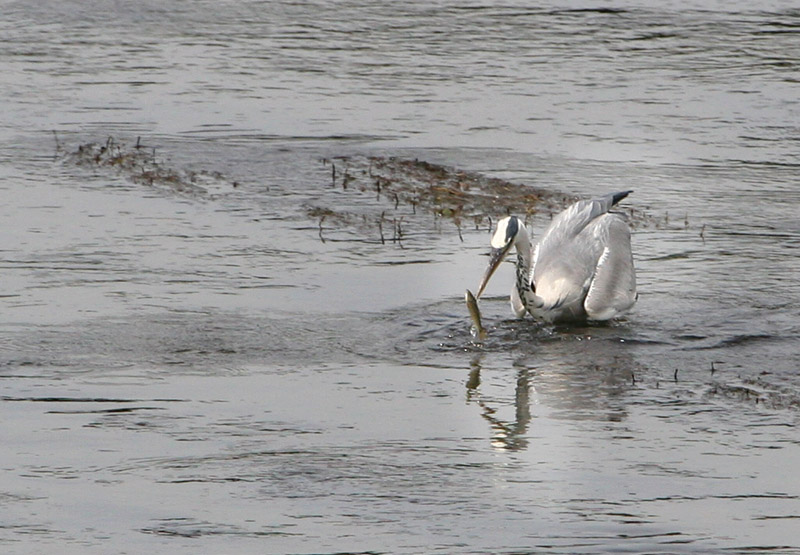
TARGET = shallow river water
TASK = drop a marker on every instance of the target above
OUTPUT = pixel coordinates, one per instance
(216, 369)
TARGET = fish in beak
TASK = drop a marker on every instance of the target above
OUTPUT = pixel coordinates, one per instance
(478, 331)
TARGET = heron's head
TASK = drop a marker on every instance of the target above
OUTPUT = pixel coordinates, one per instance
(503, 239)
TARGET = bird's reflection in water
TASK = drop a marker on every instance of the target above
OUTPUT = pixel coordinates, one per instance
(507, 435)
(576, 376)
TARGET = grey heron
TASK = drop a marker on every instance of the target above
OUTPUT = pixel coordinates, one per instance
(581, 268)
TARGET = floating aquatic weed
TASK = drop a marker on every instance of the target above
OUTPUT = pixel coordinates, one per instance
(140, 164)
(446, 192)
(367, 195)
(757, 390)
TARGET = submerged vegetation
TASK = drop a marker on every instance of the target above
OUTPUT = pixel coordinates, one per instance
(462, 196)
(403, 191)
(140, 164)
(386, 199)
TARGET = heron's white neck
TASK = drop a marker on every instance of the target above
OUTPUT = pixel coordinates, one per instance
(522, 243)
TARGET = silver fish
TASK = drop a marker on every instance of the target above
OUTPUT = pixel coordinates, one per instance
(478, 331)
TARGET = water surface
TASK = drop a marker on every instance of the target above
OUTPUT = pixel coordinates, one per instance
(215, 369)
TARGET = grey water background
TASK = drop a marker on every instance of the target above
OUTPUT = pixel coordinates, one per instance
(200, 373)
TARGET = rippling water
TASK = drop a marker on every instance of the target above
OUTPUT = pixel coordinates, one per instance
(215, 370)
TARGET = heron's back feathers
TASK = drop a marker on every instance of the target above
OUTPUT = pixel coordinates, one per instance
(583, 265)
(613, 287)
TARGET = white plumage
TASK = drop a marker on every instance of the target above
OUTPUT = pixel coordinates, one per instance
(581, 268)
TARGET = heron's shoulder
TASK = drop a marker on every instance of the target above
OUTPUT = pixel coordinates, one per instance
(575, 217)
(612, 222)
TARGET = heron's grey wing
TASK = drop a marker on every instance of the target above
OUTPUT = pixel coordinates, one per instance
(613, 287)
(565, 259)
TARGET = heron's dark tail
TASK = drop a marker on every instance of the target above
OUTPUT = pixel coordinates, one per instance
(616, 197)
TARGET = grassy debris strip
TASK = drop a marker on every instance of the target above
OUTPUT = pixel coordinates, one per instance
(140, 164)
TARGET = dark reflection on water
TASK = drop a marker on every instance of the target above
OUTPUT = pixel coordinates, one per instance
(588, 436)
(580, 373)
(510, 435)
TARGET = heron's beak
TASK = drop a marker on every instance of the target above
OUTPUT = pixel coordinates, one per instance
(496, 256)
